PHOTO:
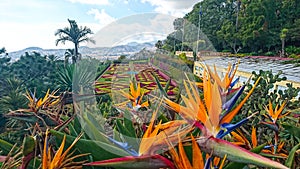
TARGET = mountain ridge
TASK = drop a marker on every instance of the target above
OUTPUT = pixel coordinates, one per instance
(102, 53)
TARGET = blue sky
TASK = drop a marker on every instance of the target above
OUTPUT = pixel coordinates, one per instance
(26, 23)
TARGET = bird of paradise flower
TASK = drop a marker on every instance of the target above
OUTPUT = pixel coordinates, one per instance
(60, 159)
(273, 115)
(134, 96)
(181, 160)
(226, 84)
(209, 110)
(154, 141)
(207, 114)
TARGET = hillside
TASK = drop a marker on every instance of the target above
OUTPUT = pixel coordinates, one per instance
(257, 27)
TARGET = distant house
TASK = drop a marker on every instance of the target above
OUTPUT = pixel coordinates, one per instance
(198, 68)
(189, 54)
(208, 53)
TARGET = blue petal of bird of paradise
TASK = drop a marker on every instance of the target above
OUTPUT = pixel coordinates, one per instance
(233, 83)
(228, 127)
(137, 99)
(268, 146)
(230, 103)
(207, 163)
(129, 105)
(33, 96)
(124, 146)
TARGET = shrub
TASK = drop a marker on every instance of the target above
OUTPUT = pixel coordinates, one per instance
(253, 54)
(292, 50)
(269, 53)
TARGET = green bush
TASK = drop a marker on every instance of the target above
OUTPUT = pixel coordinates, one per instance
(253, 54)
(269, 53)
(292, 50)
(294, 56)
(226, 50)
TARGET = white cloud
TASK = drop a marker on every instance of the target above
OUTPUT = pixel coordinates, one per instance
(34, 35)
(172, 7)
(91, 2)
(31, 35)
(139, 28)
(101, 16)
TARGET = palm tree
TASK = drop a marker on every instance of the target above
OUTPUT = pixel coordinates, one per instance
(159, 44)
(69, 53)
(74, 34)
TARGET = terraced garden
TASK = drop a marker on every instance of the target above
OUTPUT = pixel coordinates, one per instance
(117, 77)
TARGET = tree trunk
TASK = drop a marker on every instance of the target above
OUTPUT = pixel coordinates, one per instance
(75, 53)
(282, 48)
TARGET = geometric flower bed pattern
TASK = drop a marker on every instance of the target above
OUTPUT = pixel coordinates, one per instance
(117, 77)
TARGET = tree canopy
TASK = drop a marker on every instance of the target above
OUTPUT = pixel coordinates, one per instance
(74, 34)
(248, 26)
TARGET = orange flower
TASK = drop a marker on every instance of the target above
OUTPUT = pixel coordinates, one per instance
(135, 97)
(60, 159)
(276, 113)
(209, 110)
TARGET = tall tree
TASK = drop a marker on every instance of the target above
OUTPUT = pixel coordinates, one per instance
(159, 44)
(36, 72)
(4, 68)
(74, 34)
(69, 53)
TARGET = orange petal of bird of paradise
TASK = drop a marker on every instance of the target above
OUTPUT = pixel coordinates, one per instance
(275, 114)
(158, 140)
(181, 160)
(225, 83)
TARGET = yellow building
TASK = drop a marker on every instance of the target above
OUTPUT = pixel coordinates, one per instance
(198, 68)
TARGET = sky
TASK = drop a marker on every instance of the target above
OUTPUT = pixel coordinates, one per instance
(32, 23)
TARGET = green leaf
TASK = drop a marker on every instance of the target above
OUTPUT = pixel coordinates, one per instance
(293, 130)
(98, 150)
(28, 145)
(91, 126)
(128, 124)
(235, 165)
(235, 153)
(290, 160)
(128, 136)
(167, 85)
(162, 90)
(5, 146)
(132, 162)
(272, 155)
